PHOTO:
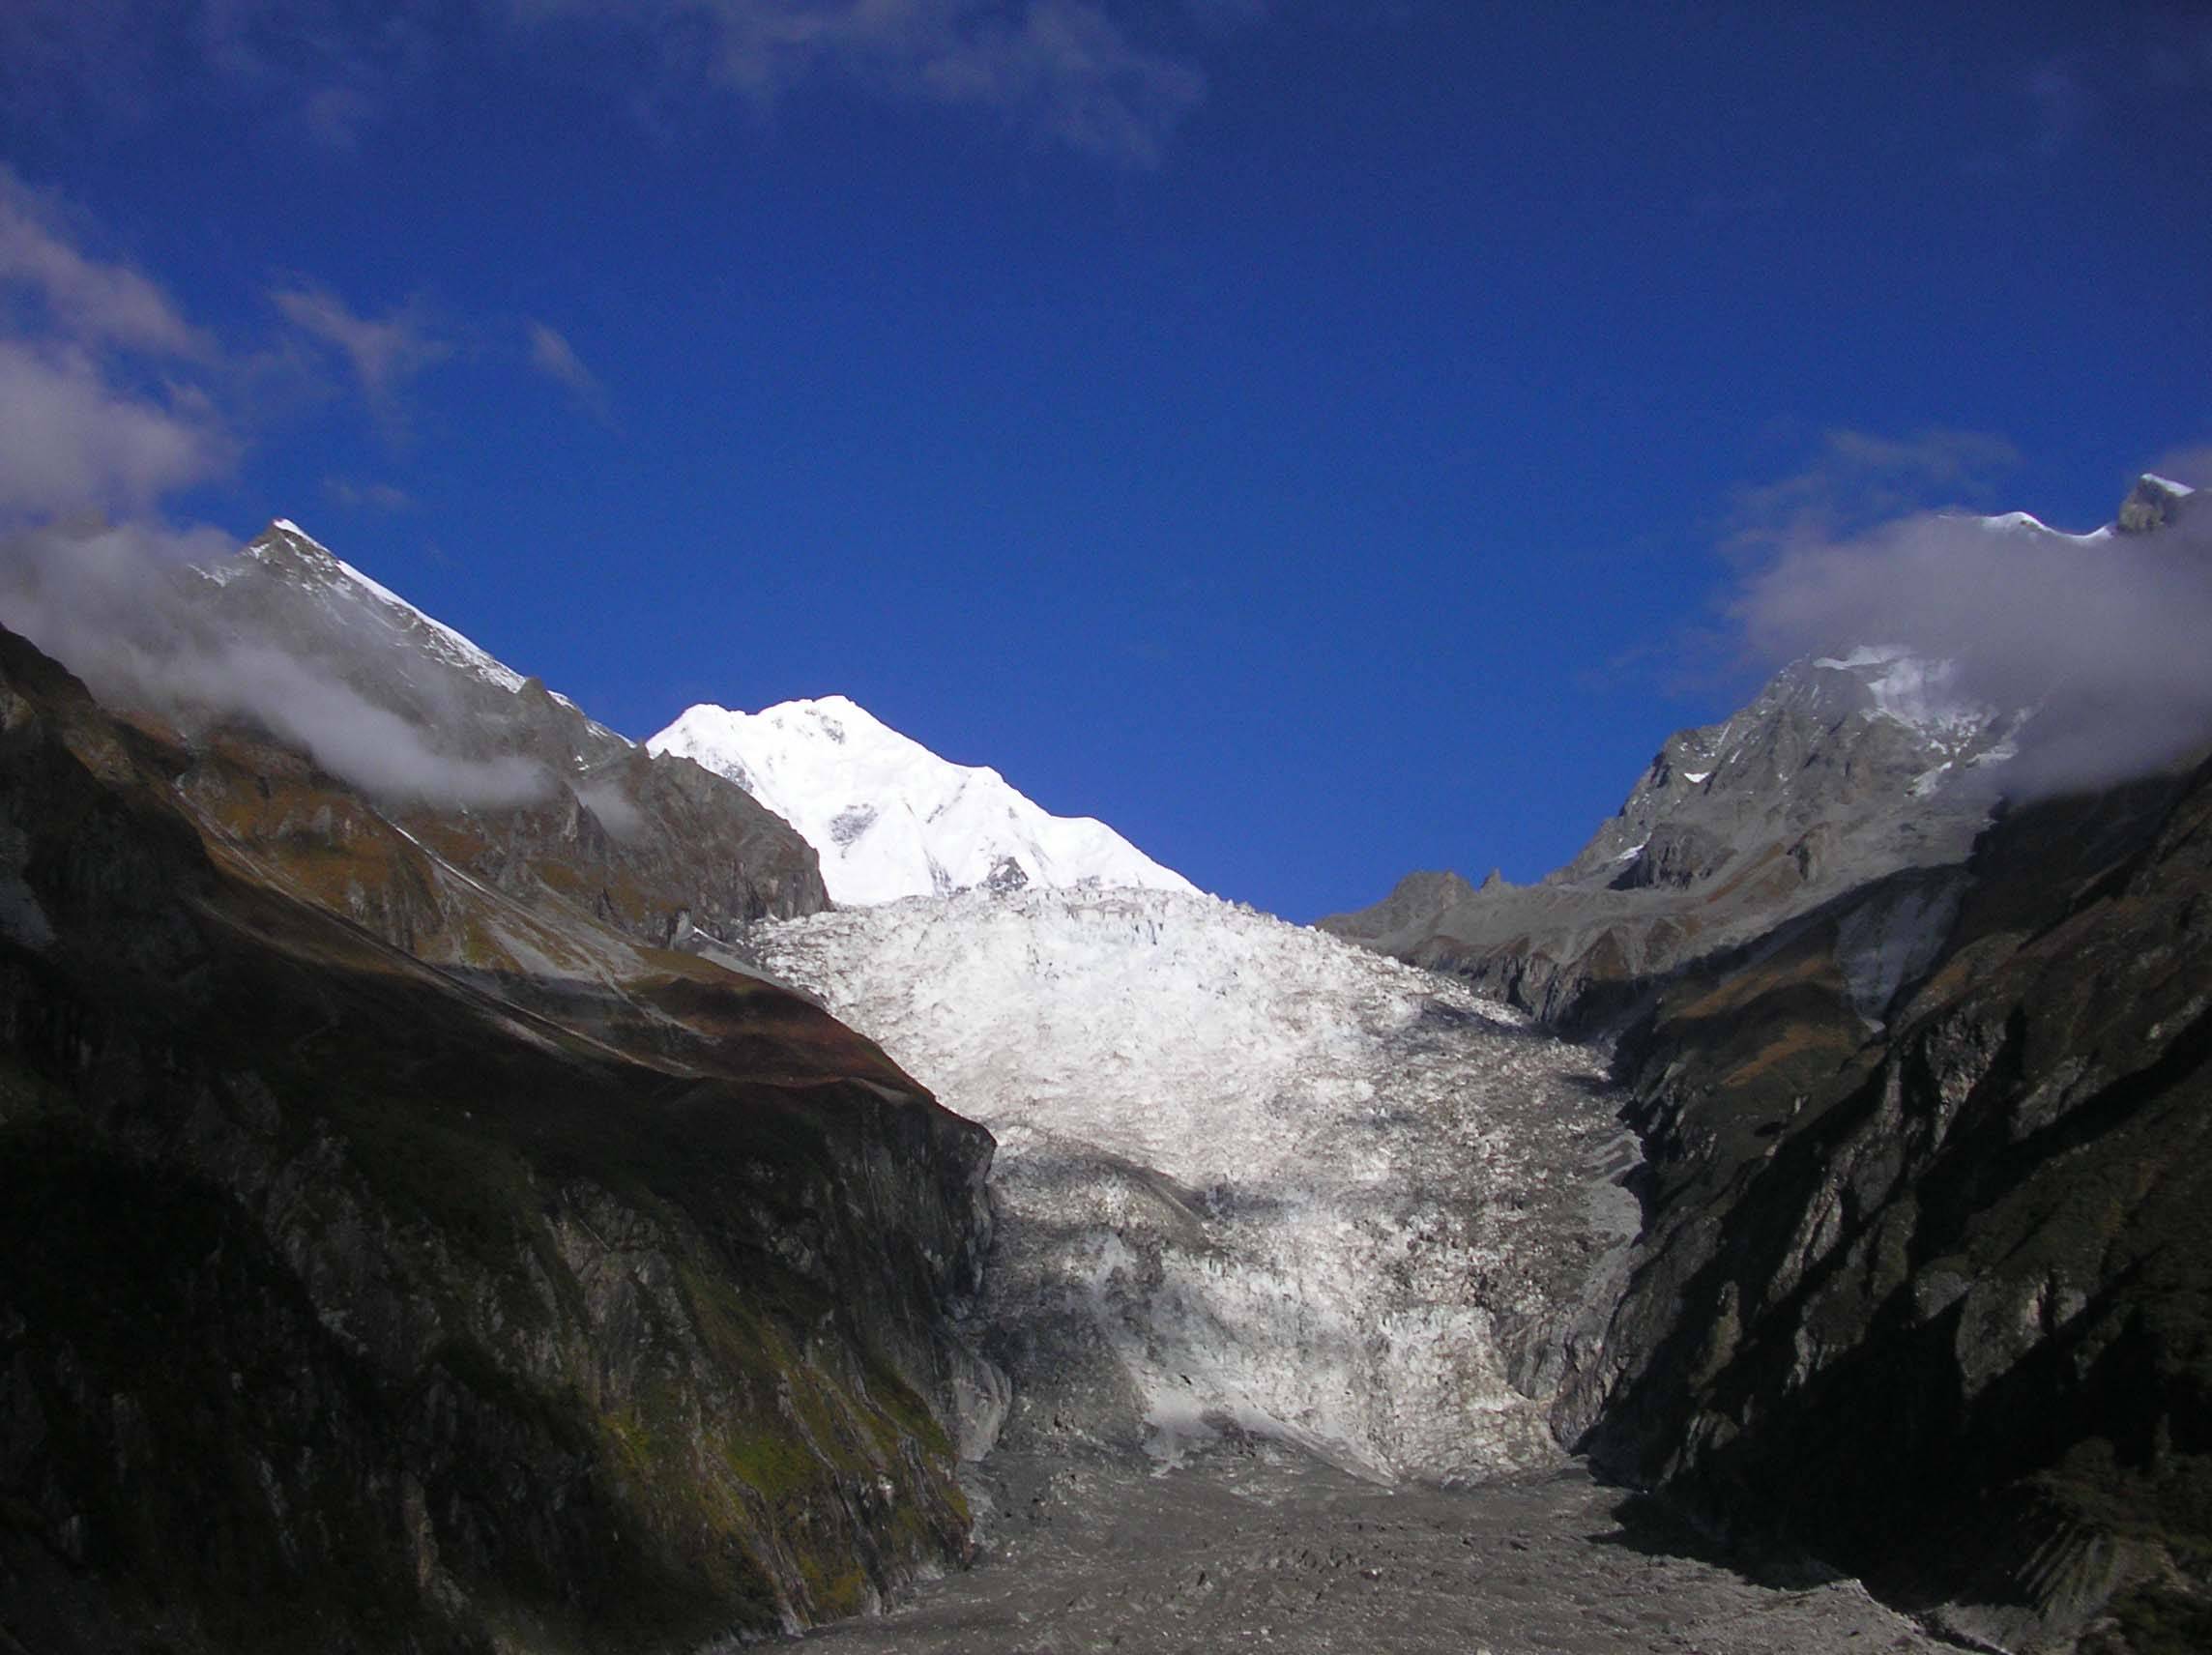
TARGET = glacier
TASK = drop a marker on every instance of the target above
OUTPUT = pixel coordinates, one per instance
(1252, 1181)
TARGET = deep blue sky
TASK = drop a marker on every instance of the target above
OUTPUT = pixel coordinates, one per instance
(1320, 448)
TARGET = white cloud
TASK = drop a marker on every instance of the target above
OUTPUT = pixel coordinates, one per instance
(2104, 639)
(384, 352)
(74, 442)
(96, 401)
(85, 298)
(552, 356)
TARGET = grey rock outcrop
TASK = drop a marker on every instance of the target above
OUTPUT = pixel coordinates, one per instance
(2155, 503)
(1417, 900)
(1843, 771)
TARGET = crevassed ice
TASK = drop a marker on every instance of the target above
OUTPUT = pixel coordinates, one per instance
(1248, 1174)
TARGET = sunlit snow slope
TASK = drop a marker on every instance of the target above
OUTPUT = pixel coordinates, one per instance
(1249, 1176)
(891, 819)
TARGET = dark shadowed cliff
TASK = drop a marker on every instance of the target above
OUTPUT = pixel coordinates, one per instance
(396, 1263)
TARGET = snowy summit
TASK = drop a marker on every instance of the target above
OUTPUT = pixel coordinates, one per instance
(889, 818)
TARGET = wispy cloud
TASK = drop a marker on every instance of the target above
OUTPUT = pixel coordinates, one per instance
(97, 394)
(1858, 478)
(1069, 71)
(2061, 103)
(374, 496)
(85, 298)
(2190, 465)
(114, 604)
(553, 356)
(1110, 78)
(2104, 639)
(336, 116)
(383, 352)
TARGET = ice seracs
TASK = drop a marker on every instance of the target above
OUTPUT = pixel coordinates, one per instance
(1249, 1177)
(889, 818)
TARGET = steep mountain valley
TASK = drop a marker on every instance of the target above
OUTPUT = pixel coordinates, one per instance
(497, 1202)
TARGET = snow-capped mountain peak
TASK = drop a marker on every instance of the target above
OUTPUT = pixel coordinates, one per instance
(889, 818)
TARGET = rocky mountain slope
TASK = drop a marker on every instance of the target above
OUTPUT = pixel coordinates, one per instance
(558, 810)
(1922, 1076)
(1954, 1271)
(889, 818)
(406, 1250)
(1845, 768)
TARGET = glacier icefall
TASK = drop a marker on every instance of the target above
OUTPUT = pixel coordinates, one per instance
(1249, 1177)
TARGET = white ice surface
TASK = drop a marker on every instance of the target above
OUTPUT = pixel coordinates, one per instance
(888, 817)
(1261, 1176)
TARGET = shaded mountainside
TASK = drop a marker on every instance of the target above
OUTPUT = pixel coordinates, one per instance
(1933, 1294)
(520, 1284)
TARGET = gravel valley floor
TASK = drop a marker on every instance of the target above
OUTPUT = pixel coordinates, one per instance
(1262, 1548)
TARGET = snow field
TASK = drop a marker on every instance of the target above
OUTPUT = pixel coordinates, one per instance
(888, 817)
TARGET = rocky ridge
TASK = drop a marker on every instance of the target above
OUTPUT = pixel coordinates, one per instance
(1921, 1077)
(580, 817)
(1843, 771)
